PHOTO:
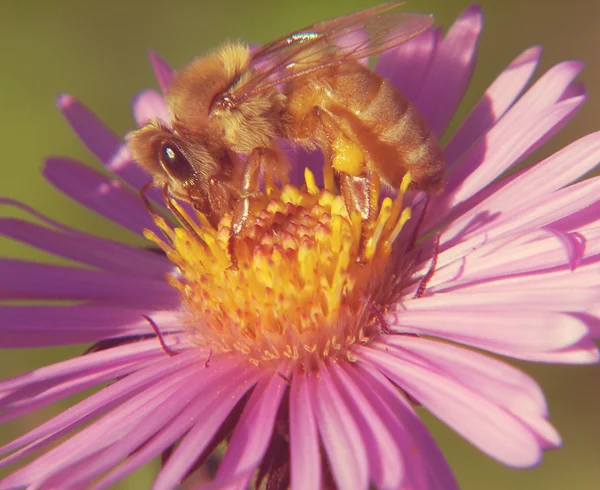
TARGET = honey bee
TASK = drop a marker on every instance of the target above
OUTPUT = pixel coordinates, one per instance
(311, 88)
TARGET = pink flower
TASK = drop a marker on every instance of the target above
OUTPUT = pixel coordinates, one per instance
(516, 275)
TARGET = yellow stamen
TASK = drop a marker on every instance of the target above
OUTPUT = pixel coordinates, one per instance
(306, 271)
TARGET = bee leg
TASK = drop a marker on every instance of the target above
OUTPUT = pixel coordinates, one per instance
(241, 211)
(347, 160)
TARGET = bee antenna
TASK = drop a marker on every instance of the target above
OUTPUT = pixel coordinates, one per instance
(170, 352)
(427, 277)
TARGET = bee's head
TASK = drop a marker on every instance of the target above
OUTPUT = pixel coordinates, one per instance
(181, 161)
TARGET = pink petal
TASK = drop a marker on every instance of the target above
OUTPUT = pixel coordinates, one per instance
(164, 73)
(537, 251)
(477, 297)
(496, 100)
(29, 280)
(96, 404)
(103, 433)
(450, 71)
(537, 186)
(497, 381)
(584, 277)
(138, 433)
(490, 428)
(305, 453)
(150, 106)
(29, 400)
(587, 217)
(496, 330)
(253, 430)
(43, 326)
(102, 142)
(207, 423)
(206, 402)
(426, 467)
(506, 143)
(406, 65)
(135, 352)
(386, 466)
(340, 434)
(103, 195)
(88, 249)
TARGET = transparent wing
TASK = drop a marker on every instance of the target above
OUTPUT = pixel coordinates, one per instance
(322, 45)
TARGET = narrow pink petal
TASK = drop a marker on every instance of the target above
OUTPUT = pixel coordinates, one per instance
(544, 210)
(208, 421)
(470, 296)
(103, 195)
(585, 218)
(538, 185)
(152, 422)
(98, 137)
(451, 70)
(406, 65)
(583, 277)
(63, 389)
(30, 280)
(139, 351)
(88, 249)
(149, 106)
(497, 381)
(163, 72)
(505, 144)
(496, 100)
(252, 433)
(305, 453)
(547, 91)
(426, 467)
(102, 433)
(526, 253)
(42, 326)
(101, 141)
(340, 434)
(584, 352)
(205, 401)
(386, 466)
(494, 329)
(97, 404)
(484, 424)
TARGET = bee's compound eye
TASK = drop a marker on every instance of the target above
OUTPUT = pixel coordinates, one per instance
(174, 162)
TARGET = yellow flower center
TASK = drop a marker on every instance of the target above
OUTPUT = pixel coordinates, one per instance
(309, 282)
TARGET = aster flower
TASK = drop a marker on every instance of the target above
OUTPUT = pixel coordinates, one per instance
(306, 363)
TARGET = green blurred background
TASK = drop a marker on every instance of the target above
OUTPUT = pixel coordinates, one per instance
(96, 51)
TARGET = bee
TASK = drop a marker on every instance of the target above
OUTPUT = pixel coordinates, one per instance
(310, 87)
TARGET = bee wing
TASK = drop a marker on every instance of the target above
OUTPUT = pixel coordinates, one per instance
(317, 47)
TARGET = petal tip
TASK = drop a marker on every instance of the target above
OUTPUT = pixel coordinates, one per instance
(473, 13)
(64, 101)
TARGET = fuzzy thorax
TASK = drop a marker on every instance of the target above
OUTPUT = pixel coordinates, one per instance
(311, 281)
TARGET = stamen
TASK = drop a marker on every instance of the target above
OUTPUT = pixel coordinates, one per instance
(305, 269)
(427, 277)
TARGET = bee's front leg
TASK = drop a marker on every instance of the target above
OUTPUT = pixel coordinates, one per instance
(249, 187)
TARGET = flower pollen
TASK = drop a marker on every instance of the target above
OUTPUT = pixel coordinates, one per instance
(307, 280)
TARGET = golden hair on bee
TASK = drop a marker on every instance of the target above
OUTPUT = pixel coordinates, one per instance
(309, 87)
